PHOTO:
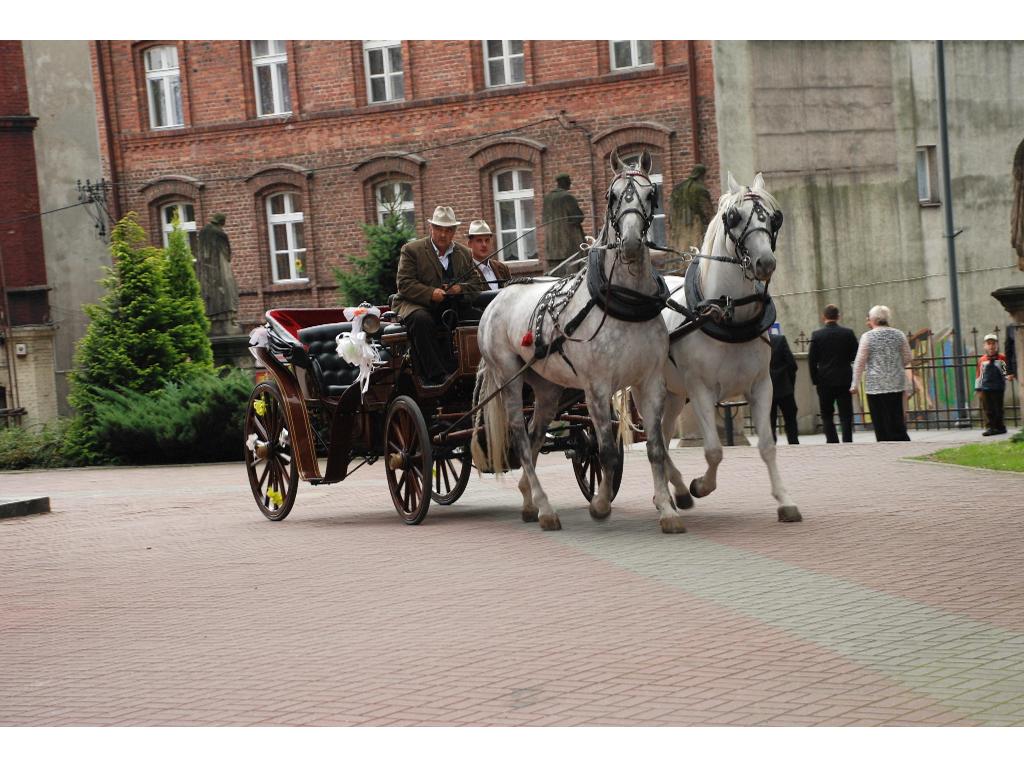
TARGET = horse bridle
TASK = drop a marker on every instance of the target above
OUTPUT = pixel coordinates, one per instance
(731, 219)
(615, 210)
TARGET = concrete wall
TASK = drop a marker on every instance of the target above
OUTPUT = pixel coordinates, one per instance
(34, 371)
(834, 127)
(60, 87)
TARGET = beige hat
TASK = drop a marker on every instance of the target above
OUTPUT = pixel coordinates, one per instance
(444, 216)
(991, 337)
(479, 227)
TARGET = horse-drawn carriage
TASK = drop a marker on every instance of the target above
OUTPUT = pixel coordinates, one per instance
(309, 419)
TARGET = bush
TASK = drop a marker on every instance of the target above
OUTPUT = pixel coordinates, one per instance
(193, 421)
(188, 325)
(35, 447)
(374, 277)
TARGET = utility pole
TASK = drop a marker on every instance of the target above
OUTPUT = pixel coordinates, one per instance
(947, 205)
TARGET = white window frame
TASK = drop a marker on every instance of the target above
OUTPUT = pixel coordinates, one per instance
(186, 225)
(279, 85)
(506, 59)
(634, 55)
(406, 206)
(169, 75)
(289, 218)
(659, 179)
(389, 74)
(930, 176)
(517, 195)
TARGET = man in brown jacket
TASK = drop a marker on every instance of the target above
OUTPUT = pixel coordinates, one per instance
(431, 271)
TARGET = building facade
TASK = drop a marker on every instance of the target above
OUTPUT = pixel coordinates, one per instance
(300, 143)
(847, 136)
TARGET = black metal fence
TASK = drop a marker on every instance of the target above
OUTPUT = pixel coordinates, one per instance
(934, 371)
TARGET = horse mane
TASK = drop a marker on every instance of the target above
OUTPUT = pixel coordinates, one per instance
(725, 202)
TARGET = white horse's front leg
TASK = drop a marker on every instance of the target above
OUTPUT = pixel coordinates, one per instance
(760, 398)
(650, 400)
(599, 408)
(704, 407)
(673, 407)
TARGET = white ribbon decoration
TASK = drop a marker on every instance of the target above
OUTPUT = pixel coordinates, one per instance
(354, 348)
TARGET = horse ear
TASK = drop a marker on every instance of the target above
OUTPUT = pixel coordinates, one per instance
(646, 162)
(734, 188)
(758, 185)
(616, 162)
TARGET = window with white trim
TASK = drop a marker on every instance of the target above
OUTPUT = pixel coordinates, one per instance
(385, 80)
(270, 77)
(656, 234)
(163, 86)
(513, 212)
(287, 239)
(186, 213)
(395, 197)
(927, 176)
(630, 54)
(503, 63)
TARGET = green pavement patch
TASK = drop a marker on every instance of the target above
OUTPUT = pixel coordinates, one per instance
(1005, 455)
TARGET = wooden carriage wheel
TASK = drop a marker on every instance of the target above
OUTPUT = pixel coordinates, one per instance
(408, 459)
(273, 474)
(586, 464)
(451, 475)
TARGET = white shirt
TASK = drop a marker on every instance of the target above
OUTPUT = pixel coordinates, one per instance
(488, 273)
(443, 258)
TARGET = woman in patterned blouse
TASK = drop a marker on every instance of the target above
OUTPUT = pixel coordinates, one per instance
(883, 356)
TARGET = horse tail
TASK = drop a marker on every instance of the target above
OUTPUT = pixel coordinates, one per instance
(620, 402)
(493, 418)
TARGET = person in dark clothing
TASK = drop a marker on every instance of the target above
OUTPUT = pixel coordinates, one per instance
(783, 372)
(833, 349)
(992, 375)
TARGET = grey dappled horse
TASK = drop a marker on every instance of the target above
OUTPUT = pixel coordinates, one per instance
(610, 354)
(741, 242)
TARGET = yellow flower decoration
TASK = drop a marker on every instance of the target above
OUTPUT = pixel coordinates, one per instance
(298, 265)
(275, 497)
(260, 407)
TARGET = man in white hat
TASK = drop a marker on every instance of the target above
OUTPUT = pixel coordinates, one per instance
(494, 272)
(431, 271)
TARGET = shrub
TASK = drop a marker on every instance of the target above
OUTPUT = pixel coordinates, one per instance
(34, 447)
(197, 420)
(188, 326)
(374, 277)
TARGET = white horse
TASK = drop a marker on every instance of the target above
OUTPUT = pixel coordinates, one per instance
(741, 244)
(613, 353)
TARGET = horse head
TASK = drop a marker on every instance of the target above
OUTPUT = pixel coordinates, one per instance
(751, 220)
(632, 200)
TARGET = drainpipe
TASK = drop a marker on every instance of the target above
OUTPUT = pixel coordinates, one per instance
(691, 60)
(963, 419)
(12, 369)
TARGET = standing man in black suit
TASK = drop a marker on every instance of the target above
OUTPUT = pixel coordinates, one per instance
(833, 349)
(783, 373)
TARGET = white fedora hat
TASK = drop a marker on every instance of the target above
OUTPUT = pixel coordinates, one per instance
(479, 227)
(444, 216)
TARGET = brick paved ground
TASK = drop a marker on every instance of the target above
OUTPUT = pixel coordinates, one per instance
(161, 596)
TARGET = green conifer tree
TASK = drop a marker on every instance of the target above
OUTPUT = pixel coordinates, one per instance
(189, 327)
(373, 277)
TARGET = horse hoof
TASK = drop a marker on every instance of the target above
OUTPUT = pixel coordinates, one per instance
(684, 500)
(550, 523)
(694, 491)
(529, 515)
(598, 513)
(789, 514)
(672, 525)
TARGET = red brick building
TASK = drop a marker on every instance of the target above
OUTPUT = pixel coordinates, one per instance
(299, 143)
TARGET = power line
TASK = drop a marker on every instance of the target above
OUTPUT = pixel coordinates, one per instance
(890, 282)
(42, 213)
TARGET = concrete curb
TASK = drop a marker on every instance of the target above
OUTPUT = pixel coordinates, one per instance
(23, 507)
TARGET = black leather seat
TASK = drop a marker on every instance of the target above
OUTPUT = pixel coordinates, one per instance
(332, 373)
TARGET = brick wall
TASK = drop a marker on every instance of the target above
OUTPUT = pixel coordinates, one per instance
(335, 147)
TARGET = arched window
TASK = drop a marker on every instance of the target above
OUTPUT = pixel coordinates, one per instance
(657, 232)
(513, 213)
(163, 86)
(186, 220)
(287, 238)
(395, 197)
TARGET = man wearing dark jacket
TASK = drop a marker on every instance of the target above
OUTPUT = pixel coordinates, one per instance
(833, 349)
(783, 372)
